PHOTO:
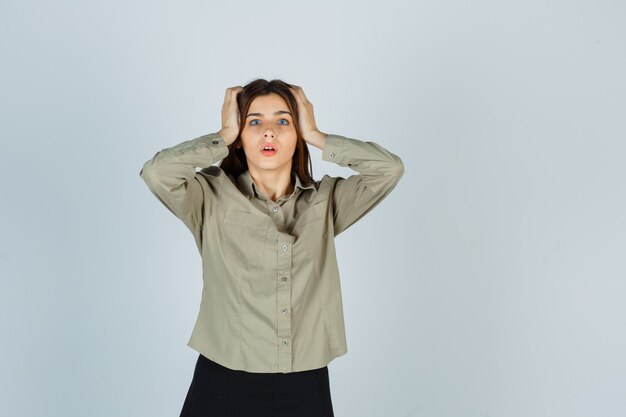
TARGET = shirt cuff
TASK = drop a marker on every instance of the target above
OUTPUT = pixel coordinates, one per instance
(217, 145)
(333, 147)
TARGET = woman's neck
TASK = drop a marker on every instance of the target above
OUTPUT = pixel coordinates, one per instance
(273, 184)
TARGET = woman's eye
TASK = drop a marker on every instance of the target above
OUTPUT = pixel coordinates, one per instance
(253, 122)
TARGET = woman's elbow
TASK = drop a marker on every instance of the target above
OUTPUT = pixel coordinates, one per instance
(398, 168)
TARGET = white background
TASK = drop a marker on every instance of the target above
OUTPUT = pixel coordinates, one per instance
(500, 256)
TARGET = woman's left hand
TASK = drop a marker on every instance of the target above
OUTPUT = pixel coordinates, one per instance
(306, 119)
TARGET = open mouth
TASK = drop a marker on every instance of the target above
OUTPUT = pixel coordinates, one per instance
(268, 149)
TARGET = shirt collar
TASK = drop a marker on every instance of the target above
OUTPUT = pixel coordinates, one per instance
(249, 188)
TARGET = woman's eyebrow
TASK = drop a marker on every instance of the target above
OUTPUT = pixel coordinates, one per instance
(275, 113)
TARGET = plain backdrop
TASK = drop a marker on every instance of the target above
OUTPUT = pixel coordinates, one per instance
(500, 256)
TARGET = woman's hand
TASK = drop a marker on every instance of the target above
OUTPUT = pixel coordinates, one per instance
(306, 119)
(230, 115)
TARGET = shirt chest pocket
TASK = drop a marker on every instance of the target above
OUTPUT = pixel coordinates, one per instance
(245, 238)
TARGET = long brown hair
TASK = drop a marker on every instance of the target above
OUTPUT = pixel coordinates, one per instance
(235, 162)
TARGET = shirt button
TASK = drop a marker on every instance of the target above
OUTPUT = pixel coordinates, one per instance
(283, 279)
(284, 311)
(331, 155)
(275, 209)
(285, 247)
(285, 343)
(215, 142)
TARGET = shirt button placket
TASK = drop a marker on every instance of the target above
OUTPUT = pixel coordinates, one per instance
(277, 215)
(283, 304)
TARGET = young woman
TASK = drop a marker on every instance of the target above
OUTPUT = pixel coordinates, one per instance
(271, 314)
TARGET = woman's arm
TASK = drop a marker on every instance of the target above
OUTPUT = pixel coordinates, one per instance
(379, 171)
(171, 176)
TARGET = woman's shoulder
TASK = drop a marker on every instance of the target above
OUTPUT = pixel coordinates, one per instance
(211, 177)
(329, 180)
(211, 171)
(326, 185)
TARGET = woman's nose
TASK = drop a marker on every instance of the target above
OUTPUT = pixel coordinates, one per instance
(268, 133)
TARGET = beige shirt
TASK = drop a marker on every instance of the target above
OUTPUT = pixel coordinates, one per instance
(271, 298)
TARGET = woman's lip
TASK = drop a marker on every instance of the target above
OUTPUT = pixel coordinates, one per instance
(268, 144)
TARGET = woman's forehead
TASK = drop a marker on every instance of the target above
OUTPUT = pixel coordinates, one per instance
(269, 103)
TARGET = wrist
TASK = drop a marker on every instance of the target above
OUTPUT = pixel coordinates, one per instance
(228, 135)
(315, 138)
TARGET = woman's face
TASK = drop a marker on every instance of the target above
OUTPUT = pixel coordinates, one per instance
(269, 123)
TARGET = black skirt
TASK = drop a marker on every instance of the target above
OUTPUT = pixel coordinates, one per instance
(217, 391)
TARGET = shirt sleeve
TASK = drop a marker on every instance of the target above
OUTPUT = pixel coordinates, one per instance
(171, 176)
(379, 171)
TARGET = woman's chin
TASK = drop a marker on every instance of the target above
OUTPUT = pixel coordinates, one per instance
(268, 164)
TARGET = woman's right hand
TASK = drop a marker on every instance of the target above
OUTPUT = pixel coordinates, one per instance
(230, 115)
